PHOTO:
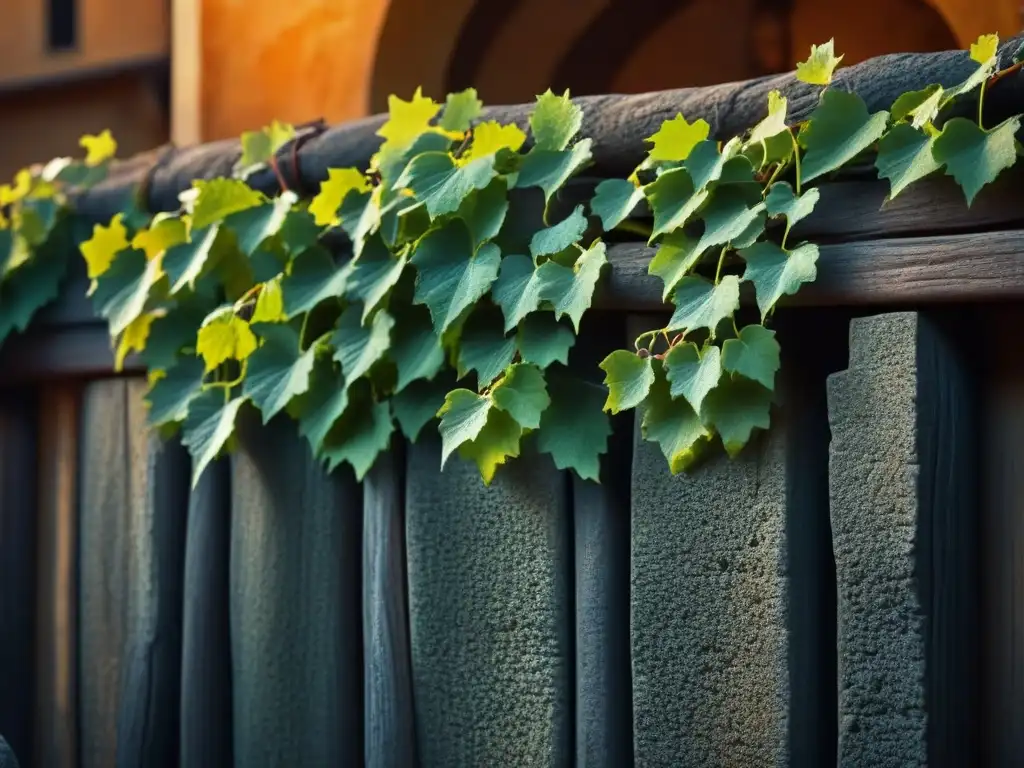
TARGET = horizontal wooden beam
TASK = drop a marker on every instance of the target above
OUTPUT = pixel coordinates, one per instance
(966, 268)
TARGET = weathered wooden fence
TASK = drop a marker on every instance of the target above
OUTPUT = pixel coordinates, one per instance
(846, 591)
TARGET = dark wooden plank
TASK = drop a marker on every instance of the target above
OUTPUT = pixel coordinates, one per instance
(206, 733)
(18, 500)
(389, 724)
(56, 662)
(111, 475)
(296, 646)
(1002, 545)
(79, 351)
(972, 267)
(601, 514)
(858, 209)
(490, 605)
(905, 532)
(147, 730)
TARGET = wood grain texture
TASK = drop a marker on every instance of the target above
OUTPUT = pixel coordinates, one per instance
(971, 267)
(113, 474)
(206, 739)
(905, 533)
(148, 717)
(389, 722)
(1002, 544)
(56, 663)
(296, 647)
(18, 505)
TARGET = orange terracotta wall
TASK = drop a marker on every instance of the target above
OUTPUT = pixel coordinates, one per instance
(292, 60)
(297, 60)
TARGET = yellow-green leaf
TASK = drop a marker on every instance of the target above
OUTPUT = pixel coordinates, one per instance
(407, 120)
(491, 136)
(218, 198)
(340, 181)
(820, 65)
(98, 148)
(984, 48)
(105, 243)
(133, 339)
(224, 336)
(161, 235)
(676, 138)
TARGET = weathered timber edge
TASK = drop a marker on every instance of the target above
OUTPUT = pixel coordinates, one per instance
(69, 340)
(617, 123)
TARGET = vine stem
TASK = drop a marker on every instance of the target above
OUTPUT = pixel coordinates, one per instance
(721, 261)
(981, 104)
(646, 334)
(277, 173)
(796, 161)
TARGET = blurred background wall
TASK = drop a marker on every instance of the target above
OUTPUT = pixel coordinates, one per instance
(197, 70)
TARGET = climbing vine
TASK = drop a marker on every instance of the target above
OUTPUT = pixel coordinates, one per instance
(446, 282)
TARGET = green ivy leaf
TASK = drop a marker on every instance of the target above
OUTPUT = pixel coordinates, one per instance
(692, 374)
(571, 290)
(673, 425)
(518, 288)
(187, 262)
(523, 394)
(485, 349)
(707, 163)
(314, 277)
(484, 211)
(415, 349)
(359, 437)
(543, 340)
(820, 65)
(216, 199)
(735, 408)
(755, 354)
(675, 258)
(673, 200)
(728, 217)
(702, 304)
(905, 155)
(170, 395)
(776, 273)
(562, 235)
(121, 292)
(574, 430)
(782, 201)
(259, 147)
(208, 427)
(614, 200)
(417, 404)
(549, 169)
(323, 403)
(463, 416)
(358, 346)
(555, 121)
(171, 331)
(460, 110)
(494, 445)
(253, 226)
(922, 106)
(441, 184)
(278, 370)
(628, 378)
(975, 157)
(840, 128)
(373, 274)
(451, 276)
